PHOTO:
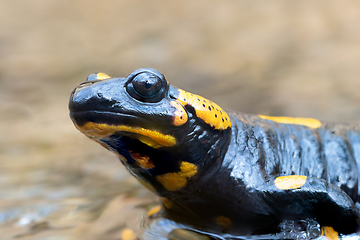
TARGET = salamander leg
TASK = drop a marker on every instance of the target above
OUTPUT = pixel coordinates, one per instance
(297, 197)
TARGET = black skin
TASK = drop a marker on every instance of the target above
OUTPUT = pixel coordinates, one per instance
(253, 160)
(237, 166)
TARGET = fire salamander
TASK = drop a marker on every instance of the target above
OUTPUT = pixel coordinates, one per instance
(221, 171)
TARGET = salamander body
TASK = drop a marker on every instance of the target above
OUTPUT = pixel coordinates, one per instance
(223, 171)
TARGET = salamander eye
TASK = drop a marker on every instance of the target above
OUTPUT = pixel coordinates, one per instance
(146, 86)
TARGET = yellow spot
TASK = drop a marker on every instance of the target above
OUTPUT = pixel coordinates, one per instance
(154, 210)
(172, 181)
(143, 160)
(309, 122)
(167, 203)
(222, 221)
(176, 180)
(128, 234)
(180, 115)
(290, 182)
(102, 76)
(330, 233)
(188, 169)
(150, 137)
(206, 110)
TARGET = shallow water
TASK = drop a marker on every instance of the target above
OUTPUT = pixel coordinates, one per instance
(163, 229)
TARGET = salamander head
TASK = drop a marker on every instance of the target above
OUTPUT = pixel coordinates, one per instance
(171, 140)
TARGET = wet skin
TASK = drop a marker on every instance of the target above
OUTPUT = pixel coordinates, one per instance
(222, 171)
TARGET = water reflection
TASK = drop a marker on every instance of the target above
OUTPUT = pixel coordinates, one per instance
(164, 229)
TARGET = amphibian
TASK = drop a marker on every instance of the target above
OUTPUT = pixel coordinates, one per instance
(222, 171)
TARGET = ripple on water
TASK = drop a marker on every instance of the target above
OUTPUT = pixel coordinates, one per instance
(163, 229)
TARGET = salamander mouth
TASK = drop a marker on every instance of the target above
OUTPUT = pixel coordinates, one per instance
(99, 116)
(111, 123)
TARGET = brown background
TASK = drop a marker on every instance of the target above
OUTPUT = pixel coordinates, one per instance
(295, 58)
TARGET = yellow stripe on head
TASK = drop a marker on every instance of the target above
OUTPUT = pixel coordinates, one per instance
(206, 110)
(152, 138)
(309, 122)
(290, 182)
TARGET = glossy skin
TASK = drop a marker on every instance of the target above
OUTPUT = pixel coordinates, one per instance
(221, 171)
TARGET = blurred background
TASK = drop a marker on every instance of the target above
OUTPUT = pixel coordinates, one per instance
(294, 58)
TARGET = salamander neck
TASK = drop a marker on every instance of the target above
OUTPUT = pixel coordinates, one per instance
(174, 170)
